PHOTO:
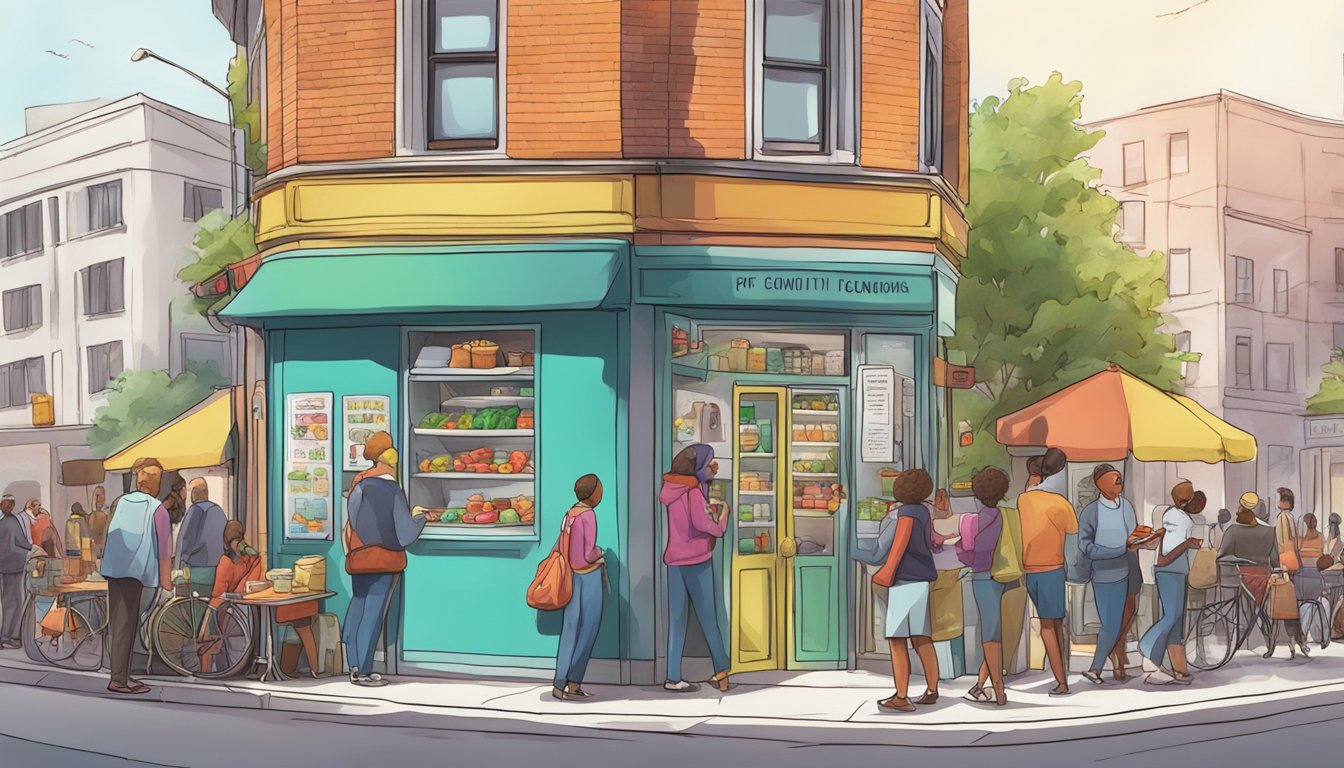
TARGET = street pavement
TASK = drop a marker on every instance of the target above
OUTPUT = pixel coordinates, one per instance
(55, 729)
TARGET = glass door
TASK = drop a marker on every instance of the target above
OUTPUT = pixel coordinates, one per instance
(758, 572)
(817, 512)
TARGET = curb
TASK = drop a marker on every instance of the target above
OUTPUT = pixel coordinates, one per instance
(1152, 722)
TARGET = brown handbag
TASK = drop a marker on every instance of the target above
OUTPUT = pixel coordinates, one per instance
(371, 558)
(553, 586)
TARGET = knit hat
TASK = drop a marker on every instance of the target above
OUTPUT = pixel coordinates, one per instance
(1250, 499)
(1103, 469)
(377, 444)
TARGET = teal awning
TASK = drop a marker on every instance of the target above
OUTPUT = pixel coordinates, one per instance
(322, 282)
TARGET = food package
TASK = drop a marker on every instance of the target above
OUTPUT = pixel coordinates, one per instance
(818, 363)
(484, 354)
(835, 363)
(737, 354)
(756, 360)
(887, 477)
(460, 356)
(774, 360)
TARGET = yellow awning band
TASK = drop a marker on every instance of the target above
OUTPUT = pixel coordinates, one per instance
(197, 438)
(1169, 427)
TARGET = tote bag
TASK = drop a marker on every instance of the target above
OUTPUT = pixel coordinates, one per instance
(1287, 540)
(553, 586)
(1204, 569)
(1006, 567)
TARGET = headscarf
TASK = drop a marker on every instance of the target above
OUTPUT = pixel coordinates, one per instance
(704, 456)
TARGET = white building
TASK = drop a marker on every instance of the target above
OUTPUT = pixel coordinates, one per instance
(98, 208)
(1247, 200)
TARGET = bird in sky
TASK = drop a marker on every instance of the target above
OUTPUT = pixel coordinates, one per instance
(60, 55)
(81, 42)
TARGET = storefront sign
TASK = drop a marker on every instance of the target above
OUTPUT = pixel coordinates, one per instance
(361, 416)
(1325, 429)
(877, 403)
(787, 287)
(308, 477)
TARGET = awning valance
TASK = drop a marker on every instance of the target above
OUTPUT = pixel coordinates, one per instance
(1112, 414)
(197, 438)
(476, 278)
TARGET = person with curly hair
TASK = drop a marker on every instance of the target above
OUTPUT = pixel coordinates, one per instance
(979, 540)
(903, 550)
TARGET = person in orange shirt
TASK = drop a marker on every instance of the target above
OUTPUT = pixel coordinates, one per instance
(1047, 518)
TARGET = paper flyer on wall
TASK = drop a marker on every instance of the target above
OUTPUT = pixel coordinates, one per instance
(308, 463)
(877, 395)
(361, 416)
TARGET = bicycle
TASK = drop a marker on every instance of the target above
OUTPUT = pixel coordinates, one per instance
(197, 640)
(80, 643)
(1221, 627)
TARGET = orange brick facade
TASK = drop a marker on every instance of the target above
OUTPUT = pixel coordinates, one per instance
(598, 79)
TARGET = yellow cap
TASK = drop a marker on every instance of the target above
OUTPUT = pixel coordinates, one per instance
(1250, 500)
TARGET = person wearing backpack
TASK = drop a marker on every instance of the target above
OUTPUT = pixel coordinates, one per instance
(1166, 638)
(583, 612)
(980, 540)
(904, 551)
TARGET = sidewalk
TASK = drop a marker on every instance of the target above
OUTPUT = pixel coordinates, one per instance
(805, 708)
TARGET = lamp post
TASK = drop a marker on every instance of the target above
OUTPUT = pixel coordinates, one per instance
(141, 54)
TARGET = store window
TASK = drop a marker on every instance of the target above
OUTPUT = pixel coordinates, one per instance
(104, 288)
(22, 379)
(474, 425)
(463, 74)
(105, 365)
(23, 308)
(1178, 272)
(21, 230)
(1244, 273)
(95, 208)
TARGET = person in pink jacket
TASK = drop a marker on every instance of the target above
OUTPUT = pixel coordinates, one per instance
(693, 526)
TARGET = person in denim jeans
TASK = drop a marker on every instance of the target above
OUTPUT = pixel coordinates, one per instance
(583, 614)
(1103, 539)
(693, 526)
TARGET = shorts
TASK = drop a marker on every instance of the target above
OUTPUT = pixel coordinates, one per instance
(1047, 593)
(989, 604)
(908, 610)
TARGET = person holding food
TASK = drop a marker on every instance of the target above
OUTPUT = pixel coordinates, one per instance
(1104, 530)
(693, 527)
(379, 527)
(1166, 638)
(583, 613)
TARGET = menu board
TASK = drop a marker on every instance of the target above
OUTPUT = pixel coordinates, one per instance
(877, 396)
(308, 462)
(361, 416)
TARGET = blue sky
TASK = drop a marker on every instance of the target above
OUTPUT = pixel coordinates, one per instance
(182, 30)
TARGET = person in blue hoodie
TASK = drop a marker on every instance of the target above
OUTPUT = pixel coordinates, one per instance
(1104, 528)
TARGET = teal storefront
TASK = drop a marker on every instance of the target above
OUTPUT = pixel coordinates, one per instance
(609, 348)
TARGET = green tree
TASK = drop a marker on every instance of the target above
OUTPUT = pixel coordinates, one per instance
(219, 242)
(1330, 397)
(1048, 296)
(143, 401)
(246, 117)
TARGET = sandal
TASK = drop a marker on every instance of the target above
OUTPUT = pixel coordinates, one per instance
(929, 698)
(1094, 677)
(720, 681)
(897, 704)
(977, 695)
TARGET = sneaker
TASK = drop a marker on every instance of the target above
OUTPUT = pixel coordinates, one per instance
(1159, 677)
(681, 686)
(12, 645)
(368, 681)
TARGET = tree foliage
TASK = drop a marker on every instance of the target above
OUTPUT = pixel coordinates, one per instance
(219, 242)
(1048, 296)
(1330, 397)
(143, 401)
(246, 117)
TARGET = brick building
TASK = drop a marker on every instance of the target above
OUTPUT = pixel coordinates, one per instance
(620, 195)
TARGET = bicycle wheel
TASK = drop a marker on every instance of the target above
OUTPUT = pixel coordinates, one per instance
(76, 647)
(174, 632)
(235, 626)
(1314, 625)
(1211, 637)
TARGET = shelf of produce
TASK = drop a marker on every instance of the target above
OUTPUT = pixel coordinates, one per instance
(816, 475)
(476, 433)
(756, 456)
(814, 445)
(489, 401)
(755, 493)
(813, 513)
(511, 477)
(756, 524)
(829, 414)
(472, 532)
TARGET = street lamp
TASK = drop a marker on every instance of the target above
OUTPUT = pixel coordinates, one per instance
(141, 54)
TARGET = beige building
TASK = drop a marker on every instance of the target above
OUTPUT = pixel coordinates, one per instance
(1247, 200)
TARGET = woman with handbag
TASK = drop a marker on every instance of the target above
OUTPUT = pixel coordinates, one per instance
(1166, 638)
(583, 612)
(979, 539)
(693, 527)
(379, 527)
(904, 551)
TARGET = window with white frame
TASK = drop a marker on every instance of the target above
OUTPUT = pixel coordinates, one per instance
(23, 308)
(22, 379)
(1241, 360)
(1244, 276)
(1130, 220)
(931, 88)
(95, 208)
(105, 365)
(1279, 367)
(104, 288)
(1178, 272)
(1134, 172)
(1178, 152)
(198, 200)
(21, 230)
(462, 73)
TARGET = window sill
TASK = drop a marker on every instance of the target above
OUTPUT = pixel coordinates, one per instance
(105, 315)
(21, 331)
(841, 157)
(21, 256)
(465, 153)
(119, 229)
